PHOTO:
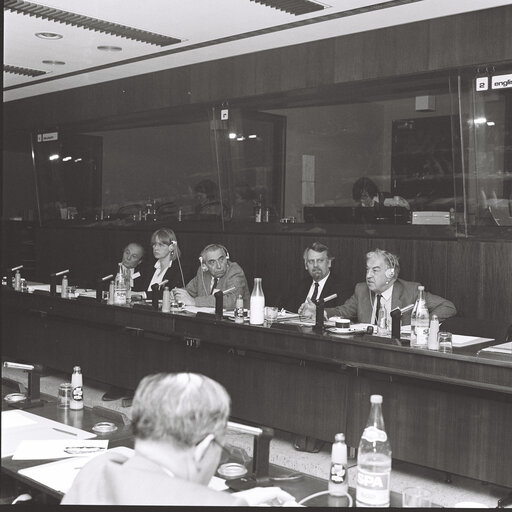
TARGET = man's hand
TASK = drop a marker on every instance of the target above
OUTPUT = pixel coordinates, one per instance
(307, 311)
(181, 295)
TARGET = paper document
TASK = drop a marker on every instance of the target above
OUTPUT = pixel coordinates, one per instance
(503, 348)
(218, 484)
(59, 448)
(196, 309)
(24, 426)
(463, 341)
(59, 475)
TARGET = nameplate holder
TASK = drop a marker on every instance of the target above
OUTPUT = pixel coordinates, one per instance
(147, 307)
(41, 292)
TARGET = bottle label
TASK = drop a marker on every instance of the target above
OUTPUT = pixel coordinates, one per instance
(372, 488)
(373, 434)
(338, 473)
(421, 336)
(78, 393)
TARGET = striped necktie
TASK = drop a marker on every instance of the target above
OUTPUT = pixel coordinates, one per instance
(315, 293)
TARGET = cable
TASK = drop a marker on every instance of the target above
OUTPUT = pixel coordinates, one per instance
(179, 265)
(321, 493)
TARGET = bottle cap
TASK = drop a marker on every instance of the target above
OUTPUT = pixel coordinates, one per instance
(421, 287)
(339, 438)
(376, 399)
(77, 369)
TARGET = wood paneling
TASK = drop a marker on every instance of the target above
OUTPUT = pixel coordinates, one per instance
(472, 39)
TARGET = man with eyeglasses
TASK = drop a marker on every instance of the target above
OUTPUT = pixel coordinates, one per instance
(179, 422)
(216, 272)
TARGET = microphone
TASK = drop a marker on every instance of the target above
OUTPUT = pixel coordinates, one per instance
(13, 269)
(61, 273)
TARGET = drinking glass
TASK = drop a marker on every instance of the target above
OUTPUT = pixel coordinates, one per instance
(271, 314)
(445, 342)
(65, 393)
(416, 497)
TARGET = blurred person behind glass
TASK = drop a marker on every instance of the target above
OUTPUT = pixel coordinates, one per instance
(366, 193)
(179, 423)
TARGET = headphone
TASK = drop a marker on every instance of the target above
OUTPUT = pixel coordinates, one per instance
(204, 268)
(392, 261)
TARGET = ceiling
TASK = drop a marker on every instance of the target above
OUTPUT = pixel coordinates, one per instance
(142, 36)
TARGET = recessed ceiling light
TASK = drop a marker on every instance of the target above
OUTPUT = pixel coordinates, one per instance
(107, 48)
(48, 35)
(54, 62)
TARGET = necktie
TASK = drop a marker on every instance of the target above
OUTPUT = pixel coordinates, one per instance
(214, 284)
(377, 309)
(315, 293)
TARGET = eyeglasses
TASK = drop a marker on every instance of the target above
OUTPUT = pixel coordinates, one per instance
(225, 449)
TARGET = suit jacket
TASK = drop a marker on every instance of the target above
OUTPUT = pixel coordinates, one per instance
(359, 306)
(200, 286)
(113, 478)
(334, 284)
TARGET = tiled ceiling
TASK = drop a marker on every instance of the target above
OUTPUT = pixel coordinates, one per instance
(101, 40)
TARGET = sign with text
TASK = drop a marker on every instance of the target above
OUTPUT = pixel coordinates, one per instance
(502, 81)
(46, 137)
(482, 83)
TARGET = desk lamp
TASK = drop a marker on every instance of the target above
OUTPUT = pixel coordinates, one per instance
(100, 283)
(53, 281)
(9, 275)
(33, 398)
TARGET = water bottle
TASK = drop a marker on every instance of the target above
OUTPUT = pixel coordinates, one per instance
(257, 316)
(422, 321)
(433, 341)
(77, 397)
(382, 321)
(166, 300)
(64, 287)
(17, 281)
(338, 477)
(374, 460)
(120, 288)
(239, 310)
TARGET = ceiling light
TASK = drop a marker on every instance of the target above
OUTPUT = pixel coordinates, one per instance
(232, 135)
(54, 62)
(66, 158)
(491, 123)
(253, 136)
(107, 48)
(48, 35)
(53, 157)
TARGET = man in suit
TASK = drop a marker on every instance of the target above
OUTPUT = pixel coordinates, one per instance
(383, 287)
(179, 422)
(321, 281)
(215, 273)
(132, 258)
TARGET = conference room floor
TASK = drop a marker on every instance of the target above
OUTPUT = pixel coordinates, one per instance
(282, 453)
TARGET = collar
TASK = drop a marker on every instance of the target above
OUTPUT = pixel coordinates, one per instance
(157, 264)
(322, 281)
(386, 295)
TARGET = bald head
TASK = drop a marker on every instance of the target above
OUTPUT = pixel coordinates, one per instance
(132, 255)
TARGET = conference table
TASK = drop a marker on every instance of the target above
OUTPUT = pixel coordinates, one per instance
(451, 412)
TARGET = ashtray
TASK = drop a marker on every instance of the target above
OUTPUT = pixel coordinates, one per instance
(104, 427)
(231, 470)
(12, 398)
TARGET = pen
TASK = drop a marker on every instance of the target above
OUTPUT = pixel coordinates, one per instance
(64, 431)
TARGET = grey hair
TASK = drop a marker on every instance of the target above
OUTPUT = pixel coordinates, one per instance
(392, 260)
(317, 247)
(185, 407)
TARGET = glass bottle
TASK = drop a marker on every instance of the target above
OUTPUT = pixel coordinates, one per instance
(422, 321)
(433, 342)
(64, 287)
(166, 300)
(77, 397)
(120, 288)
(239, 310)
(17, 281)
(374, 460)
(382, 321)
(257, 316)
(338, 477)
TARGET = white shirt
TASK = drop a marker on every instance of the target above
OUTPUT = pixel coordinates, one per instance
(385, 300)
(158, 276)
(321, 285)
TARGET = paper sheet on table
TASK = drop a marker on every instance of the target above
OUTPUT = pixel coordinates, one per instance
(23, 425)
(59, 448)
(196, 309)
(218, 484)
(458, 340)
(59, 475)
(503, 348)
(39, 286)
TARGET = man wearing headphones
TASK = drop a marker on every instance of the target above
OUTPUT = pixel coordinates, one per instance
(383, 287)
(215, 273)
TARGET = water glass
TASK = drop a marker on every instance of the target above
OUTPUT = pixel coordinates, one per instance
(416, 497)
(445, 342)
(65, 393)
(271, 314)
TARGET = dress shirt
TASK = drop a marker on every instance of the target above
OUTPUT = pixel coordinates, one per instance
(385, 300)
(158, 276)
(321, 285)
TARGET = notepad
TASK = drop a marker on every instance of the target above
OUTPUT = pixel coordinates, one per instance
(18, 426)
(503, 348)
(458, 340)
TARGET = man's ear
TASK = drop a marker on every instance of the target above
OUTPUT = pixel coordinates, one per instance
(202, 446)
